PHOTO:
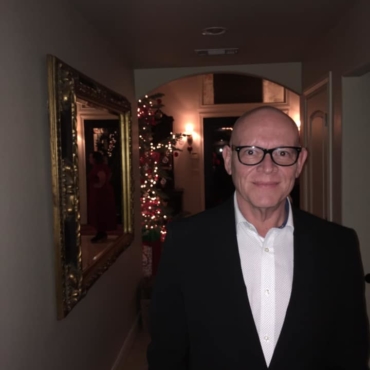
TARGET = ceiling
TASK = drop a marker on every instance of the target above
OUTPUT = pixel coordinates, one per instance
(164, 33)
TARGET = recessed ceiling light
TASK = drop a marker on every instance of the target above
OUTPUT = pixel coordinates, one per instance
(213, 31)
(211, 52)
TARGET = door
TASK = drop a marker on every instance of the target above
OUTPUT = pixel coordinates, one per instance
(317, 139)
(356, 164)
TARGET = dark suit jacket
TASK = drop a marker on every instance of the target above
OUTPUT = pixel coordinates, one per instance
(200, 314)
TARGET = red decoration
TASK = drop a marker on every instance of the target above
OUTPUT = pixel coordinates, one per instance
(156, 254)
(175, 154)
(156, 156)
(215, 160)
(154, 163)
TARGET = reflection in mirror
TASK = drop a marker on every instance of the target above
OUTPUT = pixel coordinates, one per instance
(92, 179)
(100, 174)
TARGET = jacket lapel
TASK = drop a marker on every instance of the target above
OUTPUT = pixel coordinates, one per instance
(246, 336)
(299, 301)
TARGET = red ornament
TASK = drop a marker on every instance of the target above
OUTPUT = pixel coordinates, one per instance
(175, 154)
(156, 156)
(142, 160)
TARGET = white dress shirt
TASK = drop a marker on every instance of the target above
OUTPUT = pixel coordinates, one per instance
(267, 265)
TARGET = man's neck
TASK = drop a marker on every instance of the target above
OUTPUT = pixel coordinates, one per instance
(264, 219)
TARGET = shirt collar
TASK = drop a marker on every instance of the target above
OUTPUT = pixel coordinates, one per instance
(287, 222)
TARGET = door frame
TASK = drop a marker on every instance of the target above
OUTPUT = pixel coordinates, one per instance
(306, 96)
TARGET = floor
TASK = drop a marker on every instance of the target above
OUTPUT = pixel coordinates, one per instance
(136, 359)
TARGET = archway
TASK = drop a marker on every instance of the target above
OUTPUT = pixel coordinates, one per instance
(183, 101)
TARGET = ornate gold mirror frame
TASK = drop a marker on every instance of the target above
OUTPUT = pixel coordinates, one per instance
(86, 117)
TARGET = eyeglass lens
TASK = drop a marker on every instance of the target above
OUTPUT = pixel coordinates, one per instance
(282, 156)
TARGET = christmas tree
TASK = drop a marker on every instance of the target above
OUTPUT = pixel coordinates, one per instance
(156, 171)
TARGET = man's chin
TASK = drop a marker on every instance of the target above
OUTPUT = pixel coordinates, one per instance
(267, 203)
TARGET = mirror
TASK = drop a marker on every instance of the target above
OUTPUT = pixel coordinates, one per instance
(90, 128)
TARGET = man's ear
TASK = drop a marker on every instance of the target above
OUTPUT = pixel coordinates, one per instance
(227, 154)
(301, 161)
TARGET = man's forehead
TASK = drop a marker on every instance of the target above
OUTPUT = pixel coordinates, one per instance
(255, 126)
(263, 118)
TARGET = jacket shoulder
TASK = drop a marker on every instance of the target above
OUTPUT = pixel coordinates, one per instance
(212, 218)
(317, 224)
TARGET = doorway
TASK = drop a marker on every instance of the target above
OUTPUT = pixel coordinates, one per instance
(218, 185)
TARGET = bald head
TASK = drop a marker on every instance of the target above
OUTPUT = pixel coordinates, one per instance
(259, 116)
(263, 182)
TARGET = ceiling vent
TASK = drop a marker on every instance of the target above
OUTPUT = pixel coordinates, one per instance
(213, 31)
(211, 52)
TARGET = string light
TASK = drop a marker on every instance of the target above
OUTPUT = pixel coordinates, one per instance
(153, 159)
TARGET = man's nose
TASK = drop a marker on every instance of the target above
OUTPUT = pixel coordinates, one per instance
(267, 164)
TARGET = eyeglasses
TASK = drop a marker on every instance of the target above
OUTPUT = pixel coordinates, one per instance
(282, 156)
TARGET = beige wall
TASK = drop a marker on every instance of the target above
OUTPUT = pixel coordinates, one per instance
(344, 50)
(183, 101)
(92, 335)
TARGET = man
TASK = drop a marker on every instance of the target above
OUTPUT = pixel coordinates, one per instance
(255, 283)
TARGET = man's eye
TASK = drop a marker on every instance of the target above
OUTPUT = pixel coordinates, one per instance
(250, 152)
(284, 153)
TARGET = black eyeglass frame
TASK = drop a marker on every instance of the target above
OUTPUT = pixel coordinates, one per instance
(266, 151)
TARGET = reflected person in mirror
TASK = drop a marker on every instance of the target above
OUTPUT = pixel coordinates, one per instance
(101, 202)
(254, 283)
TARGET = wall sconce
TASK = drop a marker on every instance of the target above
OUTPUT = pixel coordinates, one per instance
(298, 123)
(297, 120)
(189, 136)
